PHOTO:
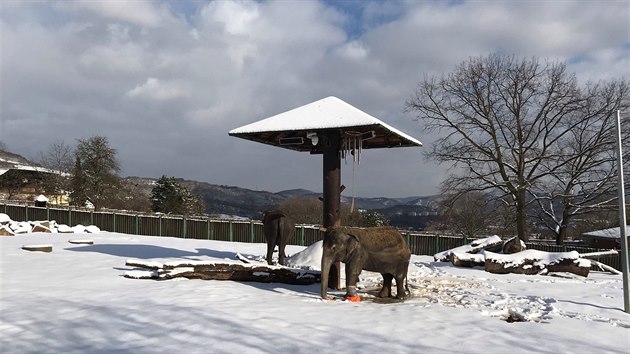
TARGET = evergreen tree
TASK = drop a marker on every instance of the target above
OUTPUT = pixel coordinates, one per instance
(168, 196)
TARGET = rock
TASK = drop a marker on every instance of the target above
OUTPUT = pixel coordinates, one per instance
(38, 248)
(513, 245)
(92, 229)
(6, 231)
(81, 242)
(44, 223)
(40, 228)
(21, 227)
(65, 229)
(79, 229)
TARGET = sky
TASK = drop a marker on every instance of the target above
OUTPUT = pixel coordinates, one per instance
(164, 81)
(76, 299)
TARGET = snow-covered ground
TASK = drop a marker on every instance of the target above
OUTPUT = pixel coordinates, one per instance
(75, 299)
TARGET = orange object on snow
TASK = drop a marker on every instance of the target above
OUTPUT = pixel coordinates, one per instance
(355, 298)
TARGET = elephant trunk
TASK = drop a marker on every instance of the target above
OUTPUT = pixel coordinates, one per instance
(326, 263)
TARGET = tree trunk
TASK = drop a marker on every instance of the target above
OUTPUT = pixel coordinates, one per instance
(226, 271)
(521, 215)
(564, 227)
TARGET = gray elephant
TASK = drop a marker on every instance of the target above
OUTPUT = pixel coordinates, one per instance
(378, 249)
(279, 228)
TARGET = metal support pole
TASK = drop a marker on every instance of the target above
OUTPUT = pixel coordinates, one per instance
(625, 266)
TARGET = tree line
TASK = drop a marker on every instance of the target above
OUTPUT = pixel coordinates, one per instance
(94, 178)
(89, 173)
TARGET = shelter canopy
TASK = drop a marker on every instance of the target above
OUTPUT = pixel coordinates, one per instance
(302, 128)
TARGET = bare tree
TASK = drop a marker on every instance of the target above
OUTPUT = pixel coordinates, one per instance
(583, 176)
(466, 213)
(501, 121)
(59, 158)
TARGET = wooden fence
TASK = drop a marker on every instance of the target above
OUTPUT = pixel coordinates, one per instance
(238, 231)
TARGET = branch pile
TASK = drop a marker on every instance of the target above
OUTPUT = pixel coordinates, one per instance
(536, 262)
(489, 243)
(221, 271)
(516, 259)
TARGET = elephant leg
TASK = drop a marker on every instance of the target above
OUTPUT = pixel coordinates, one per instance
(352, 277)
(281, 255)
(271, 245)
(400, 286)
(387, 285)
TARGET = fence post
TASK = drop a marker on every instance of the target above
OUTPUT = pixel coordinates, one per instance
(69, 217)
(114, 222)
(437, 244)
(160, 225)
(184, 226)
(230, 231)
(47, 213)
(208, 228)
(137, 225)
(92, 217)
(302, 235)
(26, 212)
(251, 231)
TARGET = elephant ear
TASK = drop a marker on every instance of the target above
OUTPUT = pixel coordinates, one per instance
(352, 244)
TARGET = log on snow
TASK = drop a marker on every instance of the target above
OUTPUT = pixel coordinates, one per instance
(467, 260)
(598, 254)
(606, 268)
(491, 243)
(227, 271)
(537, 262)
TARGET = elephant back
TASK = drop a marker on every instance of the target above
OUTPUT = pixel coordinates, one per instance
(378, 239)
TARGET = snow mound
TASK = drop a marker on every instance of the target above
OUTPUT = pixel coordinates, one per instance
(310, 258)
(48, 226)
(4, 218)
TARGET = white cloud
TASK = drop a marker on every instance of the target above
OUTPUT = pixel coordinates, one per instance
(142, 13)
(137, 70)
(154, 89)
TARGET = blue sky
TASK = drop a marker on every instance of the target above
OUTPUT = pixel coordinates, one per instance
(165, 81)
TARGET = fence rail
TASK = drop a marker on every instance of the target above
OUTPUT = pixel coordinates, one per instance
(238, 231)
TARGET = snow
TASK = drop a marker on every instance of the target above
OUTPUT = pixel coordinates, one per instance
(468, 248)
(608, 233)
(4, 218)
(76, 299)
(327, 113)
(545, 258)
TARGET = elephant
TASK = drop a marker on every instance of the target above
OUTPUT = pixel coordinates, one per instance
(279, 228)
(377, 249)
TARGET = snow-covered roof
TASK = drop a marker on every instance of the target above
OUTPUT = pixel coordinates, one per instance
(607, 233)
(330, 113)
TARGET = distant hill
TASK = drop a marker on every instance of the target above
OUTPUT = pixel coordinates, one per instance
(9, 160)
(404, 212)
